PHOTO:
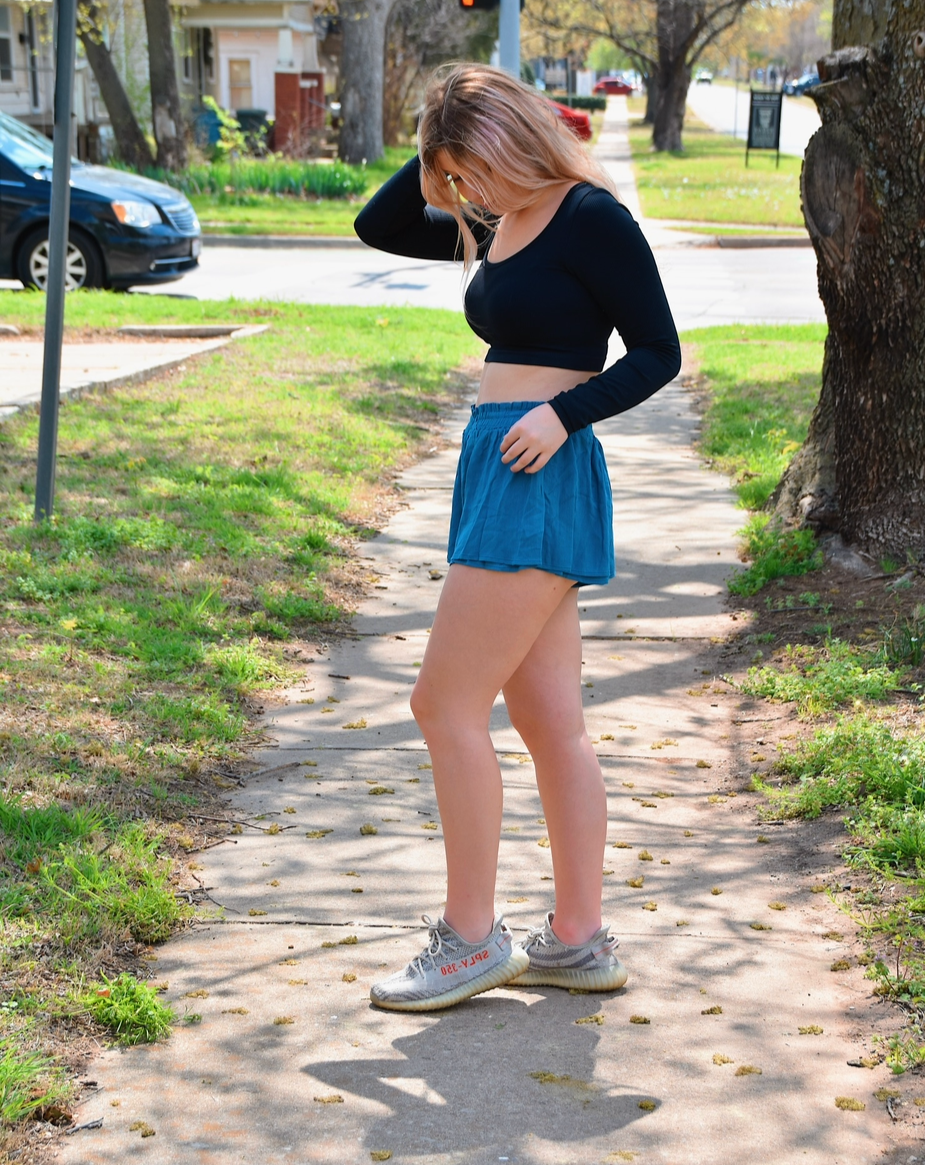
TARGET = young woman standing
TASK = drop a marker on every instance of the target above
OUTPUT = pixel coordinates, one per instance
(500, 179)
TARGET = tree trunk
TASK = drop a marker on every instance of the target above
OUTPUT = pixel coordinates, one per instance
(651, 83)
(675, 21)
(166, 115)
(863, 187)
(131, 142)
(362, 67)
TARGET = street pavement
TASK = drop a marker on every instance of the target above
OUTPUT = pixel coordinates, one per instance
(700, 1059)
(725, 108)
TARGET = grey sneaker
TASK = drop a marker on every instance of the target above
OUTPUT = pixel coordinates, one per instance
(593, 965)
(449, 969)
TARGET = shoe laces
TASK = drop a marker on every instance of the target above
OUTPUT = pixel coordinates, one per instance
(435, 944)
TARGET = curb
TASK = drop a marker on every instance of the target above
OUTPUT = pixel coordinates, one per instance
(282, 241)
(743, 242)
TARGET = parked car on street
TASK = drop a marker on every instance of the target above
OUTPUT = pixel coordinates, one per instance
(613, 87)
(578, 121)
(124, 230)
(802, 84)
(703, 77)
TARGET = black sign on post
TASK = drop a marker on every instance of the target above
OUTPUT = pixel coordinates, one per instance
(764, 122)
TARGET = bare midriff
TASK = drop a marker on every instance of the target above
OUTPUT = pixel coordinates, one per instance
(507, 382)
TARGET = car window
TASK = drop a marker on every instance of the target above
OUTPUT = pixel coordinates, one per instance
(23, 146)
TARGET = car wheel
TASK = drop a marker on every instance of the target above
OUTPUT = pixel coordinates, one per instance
(84, 267)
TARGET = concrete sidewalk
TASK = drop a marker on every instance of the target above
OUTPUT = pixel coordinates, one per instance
(698, 1060)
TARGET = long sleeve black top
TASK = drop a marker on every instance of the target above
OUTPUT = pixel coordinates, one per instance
(556, 301)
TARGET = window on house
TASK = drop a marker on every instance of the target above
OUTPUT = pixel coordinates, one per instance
(6, 43)
(32, 49)
(241, 92)
(208, 57)
(187, 54)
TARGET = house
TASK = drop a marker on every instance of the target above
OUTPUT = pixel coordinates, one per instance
(254, 55)
(258, 55)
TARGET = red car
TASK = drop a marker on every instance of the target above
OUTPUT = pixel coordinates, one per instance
(577, 120)
(613, 87)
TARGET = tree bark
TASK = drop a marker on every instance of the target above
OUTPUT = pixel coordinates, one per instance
(863, 188)
(131, 142)
(166, 114)
(651, 83)
(675, 25)
(362, 67)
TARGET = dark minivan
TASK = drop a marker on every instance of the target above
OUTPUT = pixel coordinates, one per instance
(124, 230)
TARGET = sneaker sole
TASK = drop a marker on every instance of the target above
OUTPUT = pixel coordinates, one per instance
(609, 979)
(501, 975)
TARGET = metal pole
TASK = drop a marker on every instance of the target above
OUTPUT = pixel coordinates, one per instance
(509, 37)
(65, 49)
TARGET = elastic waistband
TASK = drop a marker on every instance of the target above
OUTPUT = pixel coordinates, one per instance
(495, 413)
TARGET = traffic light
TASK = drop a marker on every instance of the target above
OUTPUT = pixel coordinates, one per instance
(483, 5)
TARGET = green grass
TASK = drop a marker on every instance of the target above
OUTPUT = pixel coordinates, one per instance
(820, 679)
(709, 182)
(761, 385)
(28, 1082)
(131, 1010)
(200, 522)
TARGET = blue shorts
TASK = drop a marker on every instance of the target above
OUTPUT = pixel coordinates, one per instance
(559, 520)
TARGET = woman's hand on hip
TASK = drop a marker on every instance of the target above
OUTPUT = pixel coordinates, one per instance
(532, 441)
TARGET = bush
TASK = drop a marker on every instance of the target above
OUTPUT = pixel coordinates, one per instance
(273, 175)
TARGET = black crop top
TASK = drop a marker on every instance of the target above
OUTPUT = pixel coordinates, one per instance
(556, 300)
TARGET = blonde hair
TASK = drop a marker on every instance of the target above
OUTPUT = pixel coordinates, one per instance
(504, 135)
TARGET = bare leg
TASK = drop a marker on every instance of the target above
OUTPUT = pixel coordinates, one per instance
(486, 623)
(544, 702)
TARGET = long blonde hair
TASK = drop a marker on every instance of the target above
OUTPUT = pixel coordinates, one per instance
(504, 135)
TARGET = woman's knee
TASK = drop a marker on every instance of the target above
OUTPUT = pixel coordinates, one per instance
(542, 727)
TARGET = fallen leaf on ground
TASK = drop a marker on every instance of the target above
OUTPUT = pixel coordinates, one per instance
(650, 906)
(840, 965)
(760, 926)
(666, 743)
(704, 764)
(201, 993)
(141, 1127)
(716, 890)
(720, 1059)
(622, 845)
(887, 1094)
(520, 899)
(645, 856)
(647, 1105)
(543, 843)
(368, 829)
(747, 1070)
(777, 906)
(348, 977)
(811, 1029)
(316, 833)
(235, 1011)
(688, 833)
(283, 1020)
(636, 883)
(714, 1010)
(335, 1099)
(682, 922)
(598, 1019)
(849, 1104)
(640, 1019)
(565, 1081)
(762, 840)
(378, 790)
(256, 913)
(834, 936)
(381, 1154)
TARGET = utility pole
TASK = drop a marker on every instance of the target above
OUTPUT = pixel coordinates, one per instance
(65, 49)
(509, 37)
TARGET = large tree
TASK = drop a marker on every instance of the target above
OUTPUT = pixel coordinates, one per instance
(861, 471)
(166, 114)
(131, 143)
(666, 38)
(421, 34)
(364, 25)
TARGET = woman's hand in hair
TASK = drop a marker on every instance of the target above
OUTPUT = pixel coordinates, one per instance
(533, 440)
